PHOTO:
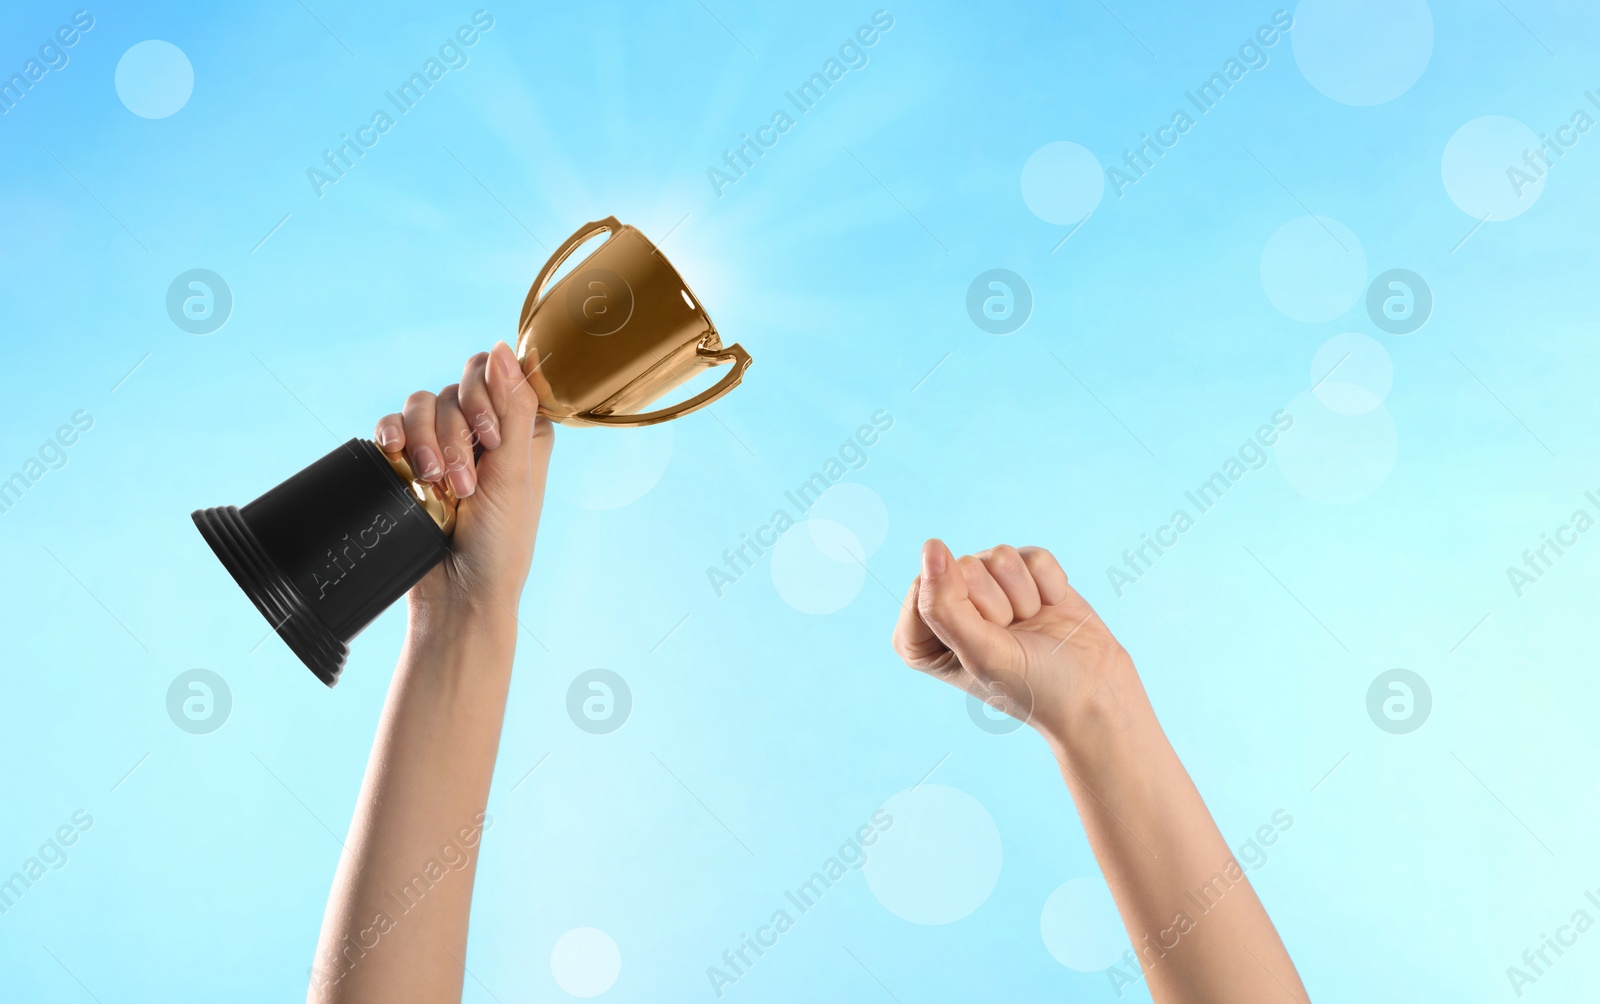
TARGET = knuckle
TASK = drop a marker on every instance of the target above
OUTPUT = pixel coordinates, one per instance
(523, 399)
(1006, 556)
(1038, 559)
(420, 435)
(419, 399)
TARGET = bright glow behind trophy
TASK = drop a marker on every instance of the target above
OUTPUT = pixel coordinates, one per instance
(328, 550)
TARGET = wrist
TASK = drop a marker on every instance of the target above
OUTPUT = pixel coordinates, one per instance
(457, 619)
(1098, 703)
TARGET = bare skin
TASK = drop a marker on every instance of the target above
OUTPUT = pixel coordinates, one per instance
(396, 922)
(1005, 626)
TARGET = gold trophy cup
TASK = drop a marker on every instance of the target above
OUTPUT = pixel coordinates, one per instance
(325, 552)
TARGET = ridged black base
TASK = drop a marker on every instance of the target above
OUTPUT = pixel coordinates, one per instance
(278, 600)
(323, 553)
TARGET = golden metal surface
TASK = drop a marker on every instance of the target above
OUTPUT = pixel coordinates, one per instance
(617, 333)
(614, 335)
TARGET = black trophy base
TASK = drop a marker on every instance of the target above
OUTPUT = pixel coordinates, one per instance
(327, 551)
(279, 601)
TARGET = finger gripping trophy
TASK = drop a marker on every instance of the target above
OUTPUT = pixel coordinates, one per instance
(324, 553)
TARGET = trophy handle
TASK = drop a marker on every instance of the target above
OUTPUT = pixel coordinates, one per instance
(738, 360)
(608, 225)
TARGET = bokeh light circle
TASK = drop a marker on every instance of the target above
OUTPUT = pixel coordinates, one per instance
(1314, 269)
(1081, 927)
(817, 567)
(1351, 373)
(859, 509)
(940, 857)
(585, 962)
(607, 470)
(1337, 459)
(1062, 183)
(154, 79)
(1486, 168)
(1362, 52)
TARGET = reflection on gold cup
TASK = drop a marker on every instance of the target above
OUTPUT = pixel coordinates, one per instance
(325, 552)
(614, 335)
(617, 333)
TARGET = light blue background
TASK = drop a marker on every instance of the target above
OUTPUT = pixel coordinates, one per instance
(1418, 870)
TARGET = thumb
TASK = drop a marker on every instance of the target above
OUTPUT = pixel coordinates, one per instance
(526, 438)
(948, 611)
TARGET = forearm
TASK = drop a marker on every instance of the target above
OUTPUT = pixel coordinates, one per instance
(396, 922)
(1200, 933)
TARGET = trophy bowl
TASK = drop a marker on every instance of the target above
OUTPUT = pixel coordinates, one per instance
(322, 554)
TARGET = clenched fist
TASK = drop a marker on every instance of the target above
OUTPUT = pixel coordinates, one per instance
(1005, 626)
(484, 438)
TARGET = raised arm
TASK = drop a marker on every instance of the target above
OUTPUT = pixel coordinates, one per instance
(1005, 626)
(396, 923)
